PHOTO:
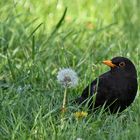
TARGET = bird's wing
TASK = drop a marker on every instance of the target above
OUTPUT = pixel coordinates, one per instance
(88, 92)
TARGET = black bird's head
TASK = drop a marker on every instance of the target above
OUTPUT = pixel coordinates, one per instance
(122, 65)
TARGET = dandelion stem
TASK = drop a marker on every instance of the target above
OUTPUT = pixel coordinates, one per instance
(64, 100)
(63, 107)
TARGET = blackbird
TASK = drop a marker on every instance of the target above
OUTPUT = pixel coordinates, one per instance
(115, 90)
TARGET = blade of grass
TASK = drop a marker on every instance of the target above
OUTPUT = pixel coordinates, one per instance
(58, 24)
(35, 30)
(11, 67)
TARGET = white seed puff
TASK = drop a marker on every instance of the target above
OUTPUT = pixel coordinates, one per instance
(67, 78)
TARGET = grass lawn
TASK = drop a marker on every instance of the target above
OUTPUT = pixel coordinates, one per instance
(37, 38)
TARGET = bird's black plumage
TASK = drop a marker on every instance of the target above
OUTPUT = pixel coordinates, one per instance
(115, 89)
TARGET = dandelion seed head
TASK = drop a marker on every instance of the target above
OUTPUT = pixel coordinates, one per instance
(67, 78)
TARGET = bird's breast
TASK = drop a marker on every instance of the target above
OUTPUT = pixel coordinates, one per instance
(117, 87)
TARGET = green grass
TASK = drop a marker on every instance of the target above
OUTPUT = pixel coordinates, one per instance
(39, 37)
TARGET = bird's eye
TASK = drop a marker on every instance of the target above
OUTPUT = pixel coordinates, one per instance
(122, 64)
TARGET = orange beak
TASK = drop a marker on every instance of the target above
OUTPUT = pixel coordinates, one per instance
(109, 63)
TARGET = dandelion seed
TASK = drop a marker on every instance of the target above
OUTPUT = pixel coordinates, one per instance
(22, 89)
(67, 78)
(80, 115)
